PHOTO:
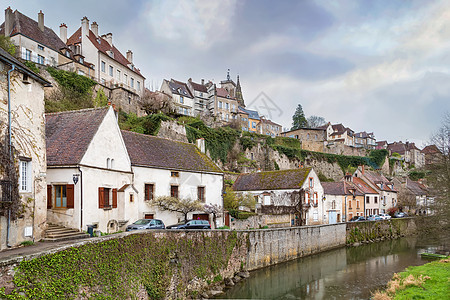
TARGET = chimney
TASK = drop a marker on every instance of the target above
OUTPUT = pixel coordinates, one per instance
(9, 21)
(63, 33)
(41, 21)
(201, 145)
(84, 27)
(362, 169)
(130, 56)
(94, 28)
(108, 38)
(203, 81)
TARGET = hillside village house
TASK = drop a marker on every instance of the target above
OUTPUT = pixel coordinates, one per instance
(181, 96)
(26, 99)
(201, 96)
(409, 153)
(414, 197)
(87, 185)
(312, 139)
(267, 127)
(37, 43)
(163, 167)
(371, 197)
(385, 189)
(431, 154)
(365, 140)
(296, 193)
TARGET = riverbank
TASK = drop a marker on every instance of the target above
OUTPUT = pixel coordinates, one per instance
(430, 281)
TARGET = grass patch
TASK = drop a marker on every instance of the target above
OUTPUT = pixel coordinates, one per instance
(430, 281)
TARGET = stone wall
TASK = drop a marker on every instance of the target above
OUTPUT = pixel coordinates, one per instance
(172, 131)
(260, 221)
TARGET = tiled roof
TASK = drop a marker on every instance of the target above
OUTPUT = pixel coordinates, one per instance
(151, 151)
(364, 135)
(199, 87)
(29, 27)
(341, 188)
(221, 92)
(103, 46)
(431, 149)
(68, 134)
(272, 180)
(266, 121)
(415, 187)
(397, 147)
(179, 88)
(382, 143)
(340, 129)
(375, 178)
(253, 114)
(363, 186)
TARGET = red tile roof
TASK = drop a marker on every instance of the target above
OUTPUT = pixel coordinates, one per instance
(29, 28)
(199, 87)
(68, 134)
(221, 92)
(363, 186)
(150, 151)
(272, 180)
(431, 149)
(103, 46)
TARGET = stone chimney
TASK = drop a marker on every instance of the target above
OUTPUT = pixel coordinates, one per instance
(41, 21)
(84, 27)
(130, 56)
(63, 32)
(203, 81)
(9, 21)
(108, 38)
(94, 28)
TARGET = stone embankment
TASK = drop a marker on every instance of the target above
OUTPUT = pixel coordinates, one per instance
(175, 264)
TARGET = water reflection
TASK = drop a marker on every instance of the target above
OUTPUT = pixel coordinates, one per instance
(346, 272)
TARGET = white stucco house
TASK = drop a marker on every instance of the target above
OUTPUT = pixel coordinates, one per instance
(23, 217)
(296, 192)
(87, 165)
(181, 95)
(163, 167)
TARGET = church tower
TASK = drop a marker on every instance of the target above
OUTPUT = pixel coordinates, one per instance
(239, 96)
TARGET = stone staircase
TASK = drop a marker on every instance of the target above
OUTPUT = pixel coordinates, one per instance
(56, 233)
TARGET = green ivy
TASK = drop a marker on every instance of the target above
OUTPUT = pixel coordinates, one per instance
(119, 267)
(71, 80)
(32, 66)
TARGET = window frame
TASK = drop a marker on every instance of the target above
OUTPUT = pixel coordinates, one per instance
(103, 66)
(174, 191)
(111, 71)
(25, 170)
(61, 187)
(149, 191)
(201, 194)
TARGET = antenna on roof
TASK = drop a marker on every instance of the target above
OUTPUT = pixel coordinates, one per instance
(228, 74)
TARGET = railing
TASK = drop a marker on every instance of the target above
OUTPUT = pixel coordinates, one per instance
(5, 191)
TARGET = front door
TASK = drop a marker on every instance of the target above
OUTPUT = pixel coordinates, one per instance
(332, 217)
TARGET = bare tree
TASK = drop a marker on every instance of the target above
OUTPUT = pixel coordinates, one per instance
(156, 102)
(315, 121)
(172, 204)
(439, 178)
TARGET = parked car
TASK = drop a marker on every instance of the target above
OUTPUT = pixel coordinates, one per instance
(191, 224)
(146, 224)
(374, 218)
(400, 214)
(357, 219)
(385, 216)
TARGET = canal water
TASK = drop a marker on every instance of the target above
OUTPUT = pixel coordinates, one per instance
(345, 273)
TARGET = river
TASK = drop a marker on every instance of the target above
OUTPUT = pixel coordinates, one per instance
(344, 273)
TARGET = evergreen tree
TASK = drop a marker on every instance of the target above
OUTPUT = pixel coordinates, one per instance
(298, 119)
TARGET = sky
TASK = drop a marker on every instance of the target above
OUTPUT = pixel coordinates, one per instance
(377, 66)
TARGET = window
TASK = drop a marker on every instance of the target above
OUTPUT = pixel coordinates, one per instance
(227, 117)
(201, 193)
(174, 174)
(220, 104)
(376, 200)
(25, 176)
(103, 81)
(131, 197)
(60, 196)
(308, 198)
(41, 60)
(149, 191)
(311, 182)
(138, 85)
(80, 72)
(107, 198)
(186, 112)
(132, 82)
(357, 204)
(81, 60)
(28, 54)
(103, 67)
(174, 191)
(316, 199)
(40, 47)
(111, 71)
(108, 163)
(181, 99)
(253, 124)
(350, 204)
(125, 78)
(316, 216)
(367, 199)
(333, 204)
(118, 74)
(227, 106)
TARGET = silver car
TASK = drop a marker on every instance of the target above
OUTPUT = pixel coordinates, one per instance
(146, 224)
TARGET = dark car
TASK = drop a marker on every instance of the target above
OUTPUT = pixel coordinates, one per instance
(192, 224)
(146, 224)
(357, 219)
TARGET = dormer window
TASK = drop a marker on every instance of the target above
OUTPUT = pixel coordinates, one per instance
(40, 47)
(81, 60)
(99, 40)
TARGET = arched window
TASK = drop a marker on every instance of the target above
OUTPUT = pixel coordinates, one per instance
(108, 163)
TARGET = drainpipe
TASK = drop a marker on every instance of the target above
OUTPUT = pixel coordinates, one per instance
(81, 198)
(9, 146)
(345, 210)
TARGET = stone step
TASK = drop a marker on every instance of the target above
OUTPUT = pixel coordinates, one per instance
(81, 235)
(61, 230)
(56, 233)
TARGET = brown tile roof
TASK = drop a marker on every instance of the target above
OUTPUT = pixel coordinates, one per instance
(68, 134)
(431, 149)
(341, 188)
(376, 178)
(199, 87)
(272, 180)
(29, 28)
(221, 92)
(363, 186)
(179, 88)
(151, 151)
(103, 46)
(415, 187)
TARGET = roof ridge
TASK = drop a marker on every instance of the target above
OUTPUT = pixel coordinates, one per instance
(78, 110)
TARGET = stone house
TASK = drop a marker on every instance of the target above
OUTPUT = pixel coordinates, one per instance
(163, 167)
(25, 98)
(40, 44)
(414, 197)
(268, 127)
(365, 140)
(201, 96)
(312, 139)
(250, 116)
(431, 154)
(84, 180)
(371, 196)
(182, 97)
(297, 193)
(409, 153)
(386, 190)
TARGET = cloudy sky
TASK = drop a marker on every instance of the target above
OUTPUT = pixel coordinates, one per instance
(381, 66)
